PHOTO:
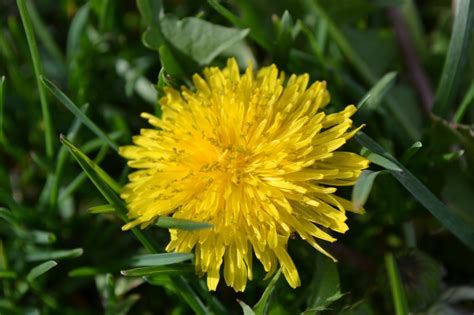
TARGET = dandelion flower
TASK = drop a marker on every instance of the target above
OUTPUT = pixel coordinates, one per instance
(254, 156)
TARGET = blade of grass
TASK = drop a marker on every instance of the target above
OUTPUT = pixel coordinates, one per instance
(76, 29)
(172, 223)
(77, 182)
(373, 97)
(38, 70)
(247, 310)
(55, 254)
(2, 100)
(160, 259)
(398, 294)
(467, 101)
(382, 161)
(43, 34)
(78, 113)
(40, 270)
(362, 188)
(451, 220)
(174, 269)
(263, 305)
(90, 168)
(361, 66)
(61, 160)
(258, 38)
(101, 209)
(411, 151)
(7, 290)
(456, 59)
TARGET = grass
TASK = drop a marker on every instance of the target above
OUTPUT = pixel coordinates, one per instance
(75, 76)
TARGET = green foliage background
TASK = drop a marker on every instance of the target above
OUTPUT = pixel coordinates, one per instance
(87, 69)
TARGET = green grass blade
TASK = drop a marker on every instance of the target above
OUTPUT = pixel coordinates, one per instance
(160, 259)
(2, 101)
(90, 168)
(257, 37)
(93, 171)
(175, 269)
(38, 69)
(78, 113)
(451, 220)
(55, 254)
(247, 310)
(79, 179)
(172, 223)
(43, 33)
(467, 101)
(361, 66)
(77, 28)
(263, 305)
(61, 161)
(398, 294)
(362, 188)
(456, 59)
(373, 97)
(411, 151)
(101, 209)
(40, 270)
(342, 42)
(325, 286)
(383, 161)
(8, 274)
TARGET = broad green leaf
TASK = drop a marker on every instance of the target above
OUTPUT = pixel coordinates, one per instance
(101, 209)
(398, 294)
(198, 39)
(78, 113)
(40, 270)
(54, 254)
(263, 305)
(160, 259)
(363, 187)
(451, 220)
(181, 224)
(151, 11)
(175, 269)
(325, 287)
(456, 60)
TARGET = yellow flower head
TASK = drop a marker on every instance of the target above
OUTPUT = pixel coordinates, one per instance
(252, 155)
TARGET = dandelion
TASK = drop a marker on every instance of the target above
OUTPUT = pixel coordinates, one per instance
(254, 156)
